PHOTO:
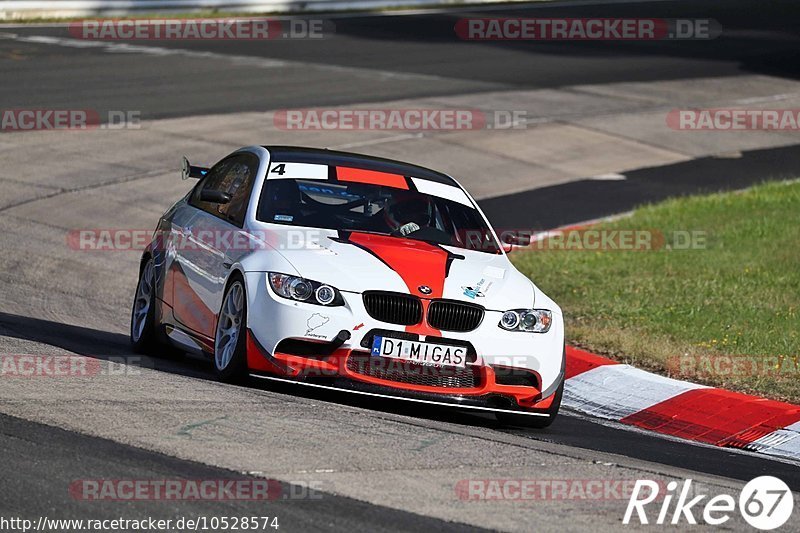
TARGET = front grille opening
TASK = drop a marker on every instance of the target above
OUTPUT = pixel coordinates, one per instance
(414, 374)
(454, 316)
(521, 377)
(306, 348)
(394, 308)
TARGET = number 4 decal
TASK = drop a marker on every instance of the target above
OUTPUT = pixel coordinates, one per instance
(297, 171)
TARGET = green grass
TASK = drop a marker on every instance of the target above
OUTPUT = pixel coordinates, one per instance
(738, 295)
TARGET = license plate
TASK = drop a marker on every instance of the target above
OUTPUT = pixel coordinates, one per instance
(419, 352)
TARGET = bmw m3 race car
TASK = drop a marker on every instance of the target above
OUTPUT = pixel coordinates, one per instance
(345, 271)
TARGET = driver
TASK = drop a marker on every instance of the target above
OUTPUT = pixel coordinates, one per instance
(406, 213)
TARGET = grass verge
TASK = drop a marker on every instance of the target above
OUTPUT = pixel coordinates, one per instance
(723, 311)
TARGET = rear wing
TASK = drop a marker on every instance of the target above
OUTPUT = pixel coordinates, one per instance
(190, 171)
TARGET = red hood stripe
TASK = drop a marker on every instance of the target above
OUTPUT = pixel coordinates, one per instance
(417, 263)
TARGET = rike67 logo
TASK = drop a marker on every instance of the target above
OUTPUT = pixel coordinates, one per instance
(765, 502)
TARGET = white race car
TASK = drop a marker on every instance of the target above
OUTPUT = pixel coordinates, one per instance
(345, 271)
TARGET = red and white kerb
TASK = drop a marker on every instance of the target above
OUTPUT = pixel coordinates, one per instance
(605, 389)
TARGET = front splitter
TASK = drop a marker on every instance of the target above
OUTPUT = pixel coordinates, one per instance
(451, 404)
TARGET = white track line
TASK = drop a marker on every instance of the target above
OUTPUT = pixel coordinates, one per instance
(253, 61)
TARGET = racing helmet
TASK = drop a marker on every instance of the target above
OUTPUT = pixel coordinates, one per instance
(408, 209)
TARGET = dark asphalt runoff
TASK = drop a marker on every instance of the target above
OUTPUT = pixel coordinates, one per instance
(588, 199)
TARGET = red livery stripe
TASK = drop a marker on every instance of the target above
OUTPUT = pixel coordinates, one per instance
(372, 177)
(188, 307)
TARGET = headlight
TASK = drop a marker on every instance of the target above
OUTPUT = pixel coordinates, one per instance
(325, 294)
(304, 290)
(530, 320)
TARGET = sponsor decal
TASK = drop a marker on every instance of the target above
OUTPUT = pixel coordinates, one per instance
(476, 292)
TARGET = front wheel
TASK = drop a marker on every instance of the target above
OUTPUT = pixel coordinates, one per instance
(143, 314)
(531, 421)
(230, 350)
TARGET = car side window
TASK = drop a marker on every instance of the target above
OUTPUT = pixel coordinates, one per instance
(234, 175)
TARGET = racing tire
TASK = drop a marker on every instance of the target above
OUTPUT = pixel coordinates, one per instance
(537, 422)
(230, 338)
(143, 313)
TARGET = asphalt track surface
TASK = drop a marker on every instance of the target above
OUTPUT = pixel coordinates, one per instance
(42, 460)
(40, 457)
(423, 52)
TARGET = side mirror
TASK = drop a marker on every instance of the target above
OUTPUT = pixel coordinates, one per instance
(214, 197)
(511, 239)
(189, 171)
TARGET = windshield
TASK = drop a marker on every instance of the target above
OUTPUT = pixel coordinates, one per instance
(375, 209)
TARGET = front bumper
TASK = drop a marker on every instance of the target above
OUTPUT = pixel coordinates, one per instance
(275, 322)
(354, 371)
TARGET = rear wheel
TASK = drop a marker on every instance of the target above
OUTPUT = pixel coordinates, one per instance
(230, 350)
(533, 421)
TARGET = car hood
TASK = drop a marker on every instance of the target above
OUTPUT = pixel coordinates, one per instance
(358, 262)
